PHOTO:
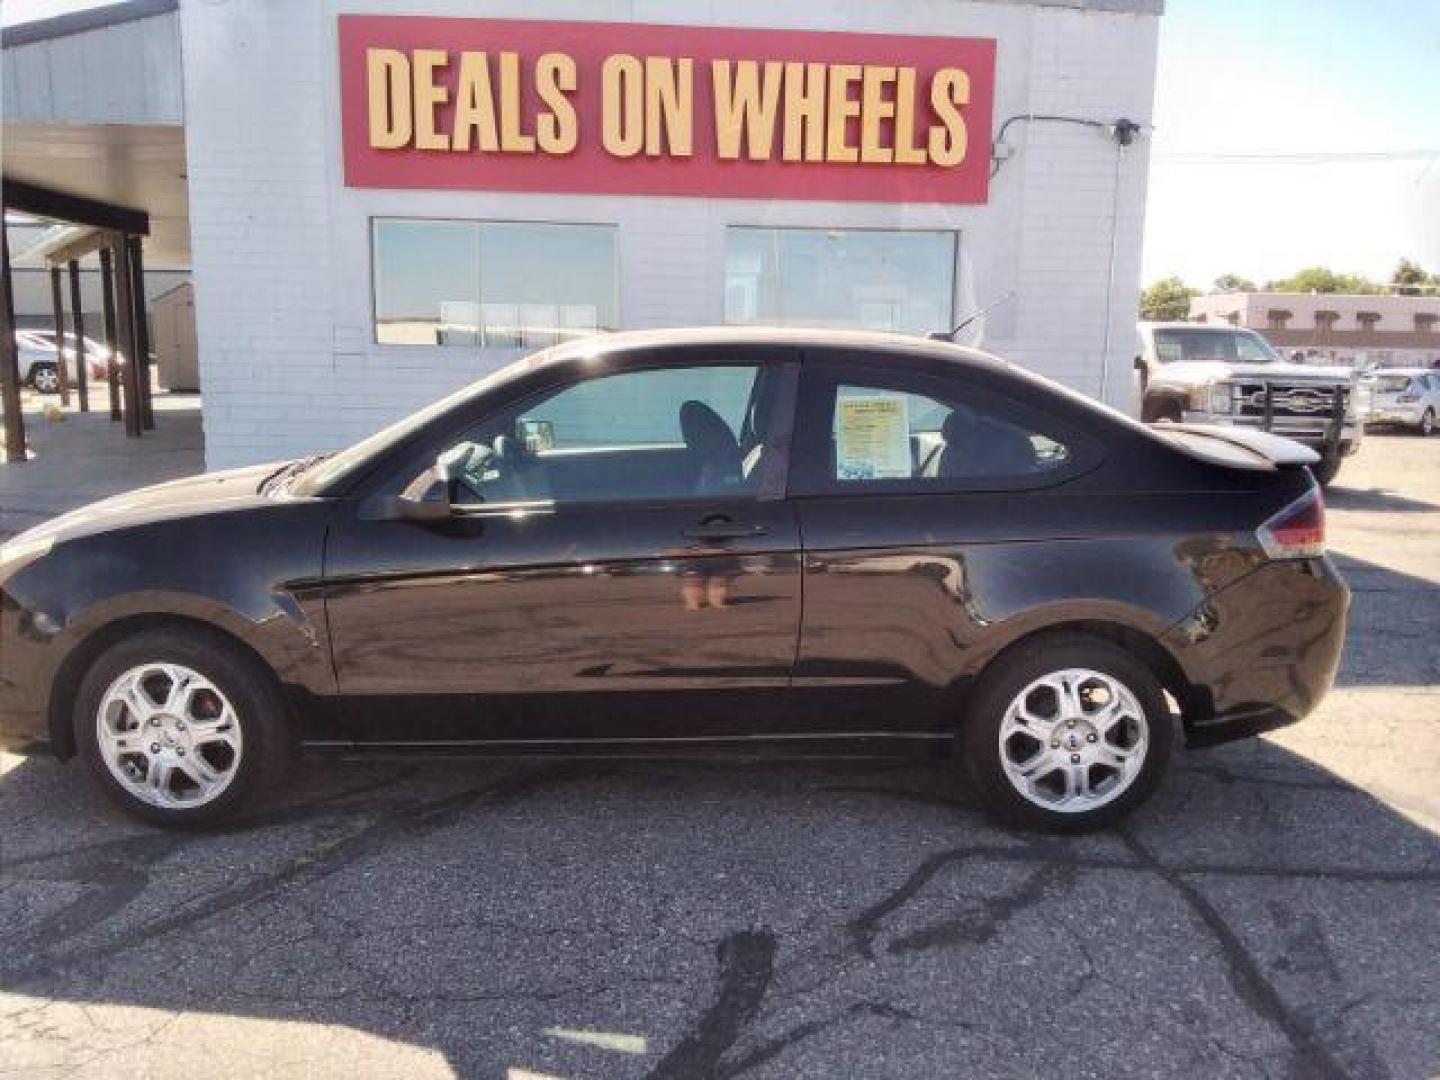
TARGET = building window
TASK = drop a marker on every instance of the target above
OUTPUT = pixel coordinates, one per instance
(1326, 320)
(1425, 321)
(849, 278)
(491, 284)
(1276, 318)
(1367, 319)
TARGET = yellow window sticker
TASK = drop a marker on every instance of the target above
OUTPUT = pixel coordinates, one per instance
(872, 437)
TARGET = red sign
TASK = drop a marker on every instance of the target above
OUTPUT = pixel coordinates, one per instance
(628, 108)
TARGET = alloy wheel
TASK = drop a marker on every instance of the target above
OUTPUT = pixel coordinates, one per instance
(46, 380)
(169, 736)
(1074, 740)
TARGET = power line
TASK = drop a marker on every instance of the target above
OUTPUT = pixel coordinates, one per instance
(1317, 157)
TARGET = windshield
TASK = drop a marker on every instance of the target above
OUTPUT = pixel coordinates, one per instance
(1213, 346)
(329, 470)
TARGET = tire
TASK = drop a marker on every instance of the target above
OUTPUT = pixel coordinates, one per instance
(1427, 423)
(1142, 734)
(1325, 470)
(246, 747)
(45, 378)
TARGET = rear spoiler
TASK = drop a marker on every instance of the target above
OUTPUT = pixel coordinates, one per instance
(1239, 448)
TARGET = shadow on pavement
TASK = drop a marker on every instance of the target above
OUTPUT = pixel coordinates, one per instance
(656, 919)
(1344, 498)
(1391, 641)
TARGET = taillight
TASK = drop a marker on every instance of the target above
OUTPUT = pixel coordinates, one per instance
(1297, 531)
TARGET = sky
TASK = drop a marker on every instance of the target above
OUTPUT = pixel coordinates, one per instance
(1296, 83)
(1238, 77)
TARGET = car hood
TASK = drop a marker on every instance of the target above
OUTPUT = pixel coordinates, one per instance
(1195, 372)
(207, 493)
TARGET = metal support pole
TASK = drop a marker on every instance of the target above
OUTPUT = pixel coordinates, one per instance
(107, 309)
(62, 368)
(142, 333)
(125, 312)
(14, 418)
(77, 316)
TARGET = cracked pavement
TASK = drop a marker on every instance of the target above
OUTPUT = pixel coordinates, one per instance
(1273, 912)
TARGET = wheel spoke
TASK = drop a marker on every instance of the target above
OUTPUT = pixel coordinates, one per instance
(199, 770)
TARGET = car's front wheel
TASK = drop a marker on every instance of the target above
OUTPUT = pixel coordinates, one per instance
(45, 378)
(1067, 733)
(181, 727)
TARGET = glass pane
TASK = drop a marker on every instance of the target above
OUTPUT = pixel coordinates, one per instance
(889, 434)
(618, 438)
(543, 284)
(427, 282)
(846, 278)
(504, 285)
(641, 408)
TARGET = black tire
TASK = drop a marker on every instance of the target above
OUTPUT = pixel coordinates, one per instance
(1008, 676)
(1325, 470)
(268, 738)
(1427, 423)
(45, 378)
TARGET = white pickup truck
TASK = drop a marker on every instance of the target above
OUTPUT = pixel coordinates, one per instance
(1197, 374)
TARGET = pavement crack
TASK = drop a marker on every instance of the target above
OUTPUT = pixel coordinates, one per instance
(746, 962)
(1311, 1057)
(978, 927)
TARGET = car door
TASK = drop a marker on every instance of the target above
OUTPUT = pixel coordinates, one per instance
(919, 497)
(621, 564)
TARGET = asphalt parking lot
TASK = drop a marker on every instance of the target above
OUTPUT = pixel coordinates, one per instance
(1273, 912)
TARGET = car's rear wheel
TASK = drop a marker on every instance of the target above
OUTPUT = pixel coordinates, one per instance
(1067, 733)
(181, 728)
(45, 378)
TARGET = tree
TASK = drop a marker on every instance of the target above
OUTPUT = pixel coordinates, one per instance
(1166, 300)
(1409, 274)
(1234, 283)
(1321, 279)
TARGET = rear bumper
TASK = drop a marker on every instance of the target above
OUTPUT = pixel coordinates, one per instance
(1263, 651)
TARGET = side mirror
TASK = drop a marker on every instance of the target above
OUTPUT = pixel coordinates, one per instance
(427, 499)
(1139, 363)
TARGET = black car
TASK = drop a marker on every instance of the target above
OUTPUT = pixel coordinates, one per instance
(712, 541)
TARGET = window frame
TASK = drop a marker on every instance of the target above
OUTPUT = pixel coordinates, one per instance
(373, 225)
(389, 478)
(820, 379)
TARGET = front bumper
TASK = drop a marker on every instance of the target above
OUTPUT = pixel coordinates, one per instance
(1319, 434)
(1397, 414)
(1263, 651)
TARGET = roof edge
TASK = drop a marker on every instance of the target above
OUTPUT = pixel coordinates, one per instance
(79, 22)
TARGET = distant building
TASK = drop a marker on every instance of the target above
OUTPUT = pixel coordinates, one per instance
(1388, 331)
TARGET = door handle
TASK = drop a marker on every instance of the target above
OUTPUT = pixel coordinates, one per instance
(724, 530)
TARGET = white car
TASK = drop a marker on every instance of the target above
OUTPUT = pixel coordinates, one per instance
(1408, 396)
(35, 350)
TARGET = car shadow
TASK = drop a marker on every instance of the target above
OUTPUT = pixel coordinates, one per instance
(1347, 498)
(1391, 639)
(708, 919)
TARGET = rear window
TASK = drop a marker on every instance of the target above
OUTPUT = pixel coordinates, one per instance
(1389, 384)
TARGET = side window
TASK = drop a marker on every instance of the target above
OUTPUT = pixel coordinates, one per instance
(897, 433)
(660, 433)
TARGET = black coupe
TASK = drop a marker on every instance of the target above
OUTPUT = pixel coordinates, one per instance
(718, 541)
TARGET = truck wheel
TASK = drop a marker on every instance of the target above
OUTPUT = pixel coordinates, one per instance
(1325, 469)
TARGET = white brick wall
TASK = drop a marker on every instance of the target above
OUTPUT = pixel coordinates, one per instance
(281, 248)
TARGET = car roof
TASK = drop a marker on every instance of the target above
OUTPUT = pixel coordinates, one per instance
(1404, 371)
(901, 345)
